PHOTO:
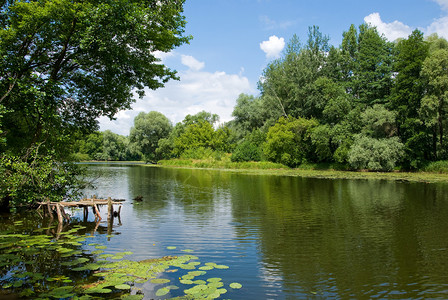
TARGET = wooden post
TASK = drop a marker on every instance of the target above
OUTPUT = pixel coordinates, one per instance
(58, 210)
(66, 216)
(97, 212)
(110, 210)
(49, 210)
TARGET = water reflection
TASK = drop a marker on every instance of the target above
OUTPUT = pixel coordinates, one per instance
(288, 237)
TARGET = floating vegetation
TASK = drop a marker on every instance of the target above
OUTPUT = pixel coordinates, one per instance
(235, 285)
(85, 274)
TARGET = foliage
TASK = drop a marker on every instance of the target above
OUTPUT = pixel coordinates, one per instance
(34, 177)
(289, 141)
(375, 154)
(246, 151)
(147, 131)
(64, 64)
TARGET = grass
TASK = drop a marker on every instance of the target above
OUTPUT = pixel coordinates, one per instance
(436, 172)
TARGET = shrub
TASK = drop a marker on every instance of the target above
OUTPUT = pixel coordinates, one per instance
(246, 151)
(289, 141)
(375, 154)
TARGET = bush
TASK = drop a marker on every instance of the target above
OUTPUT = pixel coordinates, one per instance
(289, 141)
(246, 151)
(440, 166)
(375, 154)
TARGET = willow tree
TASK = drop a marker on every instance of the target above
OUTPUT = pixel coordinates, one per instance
(64, 63)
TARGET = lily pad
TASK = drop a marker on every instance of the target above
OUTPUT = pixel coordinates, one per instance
(221, 267)
(186, 281)
(97, 290)
(162, 292)
(171, 247)
(123, 286)
(235, 285)
(206, 268)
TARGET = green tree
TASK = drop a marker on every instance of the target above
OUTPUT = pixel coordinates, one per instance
(434, 104)
(407, 93)
(289, 141)
(375, 154)
(65, 63)
(148, 130)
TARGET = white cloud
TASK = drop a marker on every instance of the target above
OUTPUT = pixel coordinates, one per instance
(391, 31)
(270, 24)
(196, 91)
(273, 47)
(442, 3)
(192, 62)
(163, 55)
(397, 29)
(439, 26)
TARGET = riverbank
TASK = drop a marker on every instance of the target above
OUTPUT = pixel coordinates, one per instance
(316, 171)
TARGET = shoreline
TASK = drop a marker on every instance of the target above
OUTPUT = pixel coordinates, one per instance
(421, 177)
(257, 168)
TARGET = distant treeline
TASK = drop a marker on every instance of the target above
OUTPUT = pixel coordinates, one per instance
(367, 104)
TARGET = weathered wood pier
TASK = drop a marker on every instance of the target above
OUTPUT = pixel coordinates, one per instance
(58, 208)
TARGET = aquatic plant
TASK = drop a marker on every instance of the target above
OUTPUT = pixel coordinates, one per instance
(81, 274)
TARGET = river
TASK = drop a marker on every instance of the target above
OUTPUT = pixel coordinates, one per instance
(286, 237)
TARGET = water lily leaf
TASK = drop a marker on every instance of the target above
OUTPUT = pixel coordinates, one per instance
(132, 297)
(160, 280)
(199, 282)
(206, 268)
(217, 284)
(123, 286)
(18, 283)
(221, 267)
(172, 287)
(222, 291)
(214, 279)
(97, 252)
(235, 285)
(162, 292)
(116, 257)
(105, 255)
(100, 247)
(171, 247)
(186, 281)
(197, 273)
(187, 267)
(97, 290)
(187, 250)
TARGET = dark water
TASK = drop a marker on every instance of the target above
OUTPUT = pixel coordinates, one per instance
(287, 237)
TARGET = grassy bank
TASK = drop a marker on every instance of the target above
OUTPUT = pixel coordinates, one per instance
(311, 171)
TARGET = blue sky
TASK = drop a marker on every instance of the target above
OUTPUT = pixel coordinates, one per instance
(234, 40)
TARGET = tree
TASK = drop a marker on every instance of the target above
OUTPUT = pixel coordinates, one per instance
(289, 141)
(367, 64)
(434, 110)
(407, 93)
(65, 63)
(148, 130)
(375, 154)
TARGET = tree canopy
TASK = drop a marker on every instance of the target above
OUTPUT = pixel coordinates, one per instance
(65, 63)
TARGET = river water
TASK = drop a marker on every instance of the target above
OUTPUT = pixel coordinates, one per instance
(286, 237)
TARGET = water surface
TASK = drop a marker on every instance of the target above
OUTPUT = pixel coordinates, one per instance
(286, 237)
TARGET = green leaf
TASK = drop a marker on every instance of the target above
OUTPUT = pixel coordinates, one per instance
(123, 286)
(162, 292)
(235, 285)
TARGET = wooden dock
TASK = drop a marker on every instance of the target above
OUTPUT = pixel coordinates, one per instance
(57, 208)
